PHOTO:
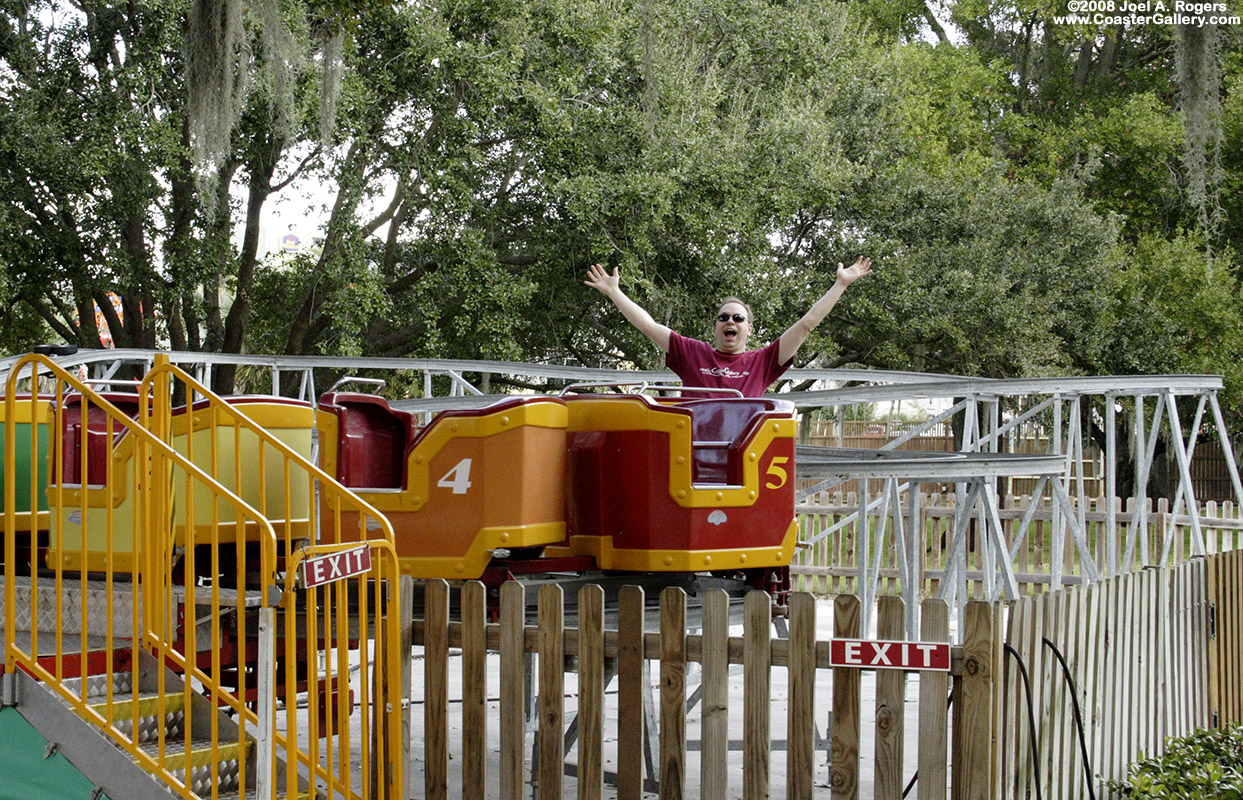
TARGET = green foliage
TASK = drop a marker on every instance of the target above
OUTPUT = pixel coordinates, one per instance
(988, 277)
(1204, 764)
(1174, 310)
(1019, 185)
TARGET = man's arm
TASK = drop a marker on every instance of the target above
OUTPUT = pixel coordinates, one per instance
(793, 338)
(610, 287)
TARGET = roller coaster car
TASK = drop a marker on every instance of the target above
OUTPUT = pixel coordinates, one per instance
(260, 481)
(468, 483)
(30, 518)
(682, 486)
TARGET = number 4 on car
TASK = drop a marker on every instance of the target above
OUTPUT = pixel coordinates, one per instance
(458, 478)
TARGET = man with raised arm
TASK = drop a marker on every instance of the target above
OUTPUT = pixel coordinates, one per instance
(728, 365)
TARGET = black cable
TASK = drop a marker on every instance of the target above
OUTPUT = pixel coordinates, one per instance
(1074, 700)
(1031, 718)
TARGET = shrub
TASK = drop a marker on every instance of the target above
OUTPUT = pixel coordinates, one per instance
(1205, 764)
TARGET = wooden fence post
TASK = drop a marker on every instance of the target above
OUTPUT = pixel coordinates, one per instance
(714, 705)
(933, 708)
(513, 690)
(436, 689)
(979, 670)
(590, 692)
(757, 666)
(631, 676)
(474, 689)
(844, 767)
(800, 754)
(551, 766)
(890, 703)
(672, 693)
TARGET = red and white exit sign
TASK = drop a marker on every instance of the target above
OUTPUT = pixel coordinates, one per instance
(880, 654)
(318, 570)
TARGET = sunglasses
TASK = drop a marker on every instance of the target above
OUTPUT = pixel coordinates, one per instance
(740, 318)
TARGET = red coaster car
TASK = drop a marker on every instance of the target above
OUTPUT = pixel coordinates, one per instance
(682, 486)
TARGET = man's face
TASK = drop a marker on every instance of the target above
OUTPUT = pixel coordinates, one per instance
(733, 326)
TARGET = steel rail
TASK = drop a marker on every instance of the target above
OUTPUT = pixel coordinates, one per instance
(950, 467)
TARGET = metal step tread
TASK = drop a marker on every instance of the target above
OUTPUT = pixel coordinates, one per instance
(110, 607)
(228, 598)
(148, 704)
(200, 752)
(235, 794)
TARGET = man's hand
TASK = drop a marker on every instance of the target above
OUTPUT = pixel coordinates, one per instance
(848, 275)
(599, 279)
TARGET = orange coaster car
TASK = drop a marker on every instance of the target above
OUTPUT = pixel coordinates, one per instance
(469, 483)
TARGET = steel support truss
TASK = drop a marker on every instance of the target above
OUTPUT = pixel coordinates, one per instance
(1056, 403)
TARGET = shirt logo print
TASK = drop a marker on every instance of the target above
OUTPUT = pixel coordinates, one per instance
(724, 372)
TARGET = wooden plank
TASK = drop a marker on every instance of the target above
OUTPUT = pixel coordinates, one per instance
(1229, 634)
(551, 704)
(1091, 690)
(1112, 758)
(590, 693)
(801, 723)
(1227, 631)
(756, 695)
(1190, 646)
(1046, 685)
(1198, 589)
(513, 690)
(933, 708)
(1010, 732)
(1219, 611)
(474, 689)
(1167, 685)
(979, 675)
(1207, 600)
(1068, 753)
(1077, 645)
(1128, 628)
(672, 693)
(1149, 711)
(714, 706)
(436, 690)
(1176, 655)
(890, 705)
(631, 680)
(844, 764)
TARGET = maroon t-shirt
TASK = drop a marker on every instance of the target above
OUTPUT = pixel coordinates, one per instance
(700, 364)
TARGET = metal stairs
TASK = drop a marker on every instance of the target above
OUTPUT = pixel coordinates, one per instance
(118, 774)
(84, 741)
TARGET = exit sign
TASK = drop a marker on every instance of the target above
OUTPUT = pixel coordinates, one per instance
(880, 654)
(318, 570)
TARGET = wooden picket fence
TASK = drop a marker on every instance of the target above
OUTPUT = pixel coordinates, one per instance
(733, 756)
(830, 566)
(531, 705)
(1148, 656)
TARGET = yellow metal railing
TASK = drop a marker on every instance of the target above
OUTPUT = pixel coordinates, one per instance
(193, 521)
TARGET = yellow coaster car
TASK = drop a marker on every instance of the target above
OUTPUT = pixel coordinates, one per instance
(91, 512)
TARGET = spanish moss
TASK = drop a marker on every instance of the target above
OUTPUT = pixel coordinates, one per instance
(218, 75)
(330, 86)
(1199, 82)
